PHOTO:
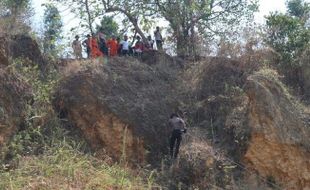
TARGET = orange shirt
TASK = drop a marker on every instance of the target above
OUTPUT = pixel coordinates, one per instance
(94, 49)
(112, 44)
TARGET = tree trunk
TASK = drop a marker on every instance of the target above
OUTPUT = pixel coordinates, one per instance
(184, 44)
(89, 18)
(131, 18)
(181, 46)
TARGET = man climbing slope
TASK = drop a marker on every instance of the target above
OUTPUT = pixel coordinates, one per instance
(177, 126)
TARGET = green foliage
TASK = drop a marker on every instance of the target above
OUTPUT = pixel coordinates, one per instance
(39, 118)
(15, 6)
(298, 8)
(288, 33)
(52, 29)
(203, 18)
(108, 26)
(187, 19)
(14, 16)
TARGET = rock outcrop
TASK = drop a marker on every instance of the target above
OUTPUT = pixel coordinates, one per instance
(254, 120)
(121, 106)
(22, 47)
(279, 146)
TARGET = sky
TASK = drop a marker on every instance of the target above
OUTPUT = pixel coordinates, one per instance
(267, 6)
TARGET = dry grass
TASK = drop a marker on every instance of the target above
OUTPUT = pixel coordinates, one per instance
(63, 167)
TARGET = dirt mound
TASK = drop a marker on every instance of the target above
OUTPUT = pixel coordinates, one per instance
(252, 119)
(280, 140)
(157, 57)
(216, 90)
(121, 106)
(22, 46)
(217, 75)
(13, 97)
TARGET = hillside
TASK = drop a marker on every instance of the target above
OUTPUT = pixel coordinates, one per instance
(102, 124)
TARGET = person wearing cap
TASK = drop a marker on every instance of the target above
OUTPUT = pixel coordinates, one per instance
(77, 48)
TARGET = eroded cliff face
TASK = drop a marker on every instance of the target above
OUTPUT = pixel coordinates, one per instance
(105, 132)
(280, 137)
(121, 106)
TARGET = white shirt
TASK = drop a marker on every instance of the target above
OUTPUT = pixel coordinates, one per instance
(158, 36)
(125, 45)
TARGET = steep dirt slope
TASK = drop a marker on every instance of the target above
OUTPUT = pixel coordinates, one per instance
(246, 114)
(121, 106)
(280, 137)
(250, 116)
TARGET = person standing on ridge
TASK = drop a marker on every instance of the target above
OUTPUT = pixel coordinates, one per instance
(149, 44)
(113, 46)
(177, 125)
(77, 48)
(139, 47)
(158, 39)
(86, 44)
(95, 52)
(102, 43)
(125, 46)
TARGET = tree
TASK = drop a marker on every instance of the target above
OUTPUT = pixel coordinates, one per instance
(136, 11)
(298, 8)
(189, 18)
(52, 29)
(16, 13)
(289, 35)
(86, 10)
(108, 26)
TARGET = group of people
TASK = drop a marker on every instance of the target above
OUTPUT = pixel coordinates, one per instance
(97, 45)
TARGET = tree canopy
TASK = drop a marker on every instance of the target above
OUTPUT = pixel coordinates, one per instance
(52, 28)
(288, 33)
(186, 18)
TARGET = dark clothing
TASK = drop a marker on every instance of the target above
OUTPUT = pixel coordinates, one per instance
(175, 138)
(125, 52)
(103, 46)
(88, 51)
(159, 44)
